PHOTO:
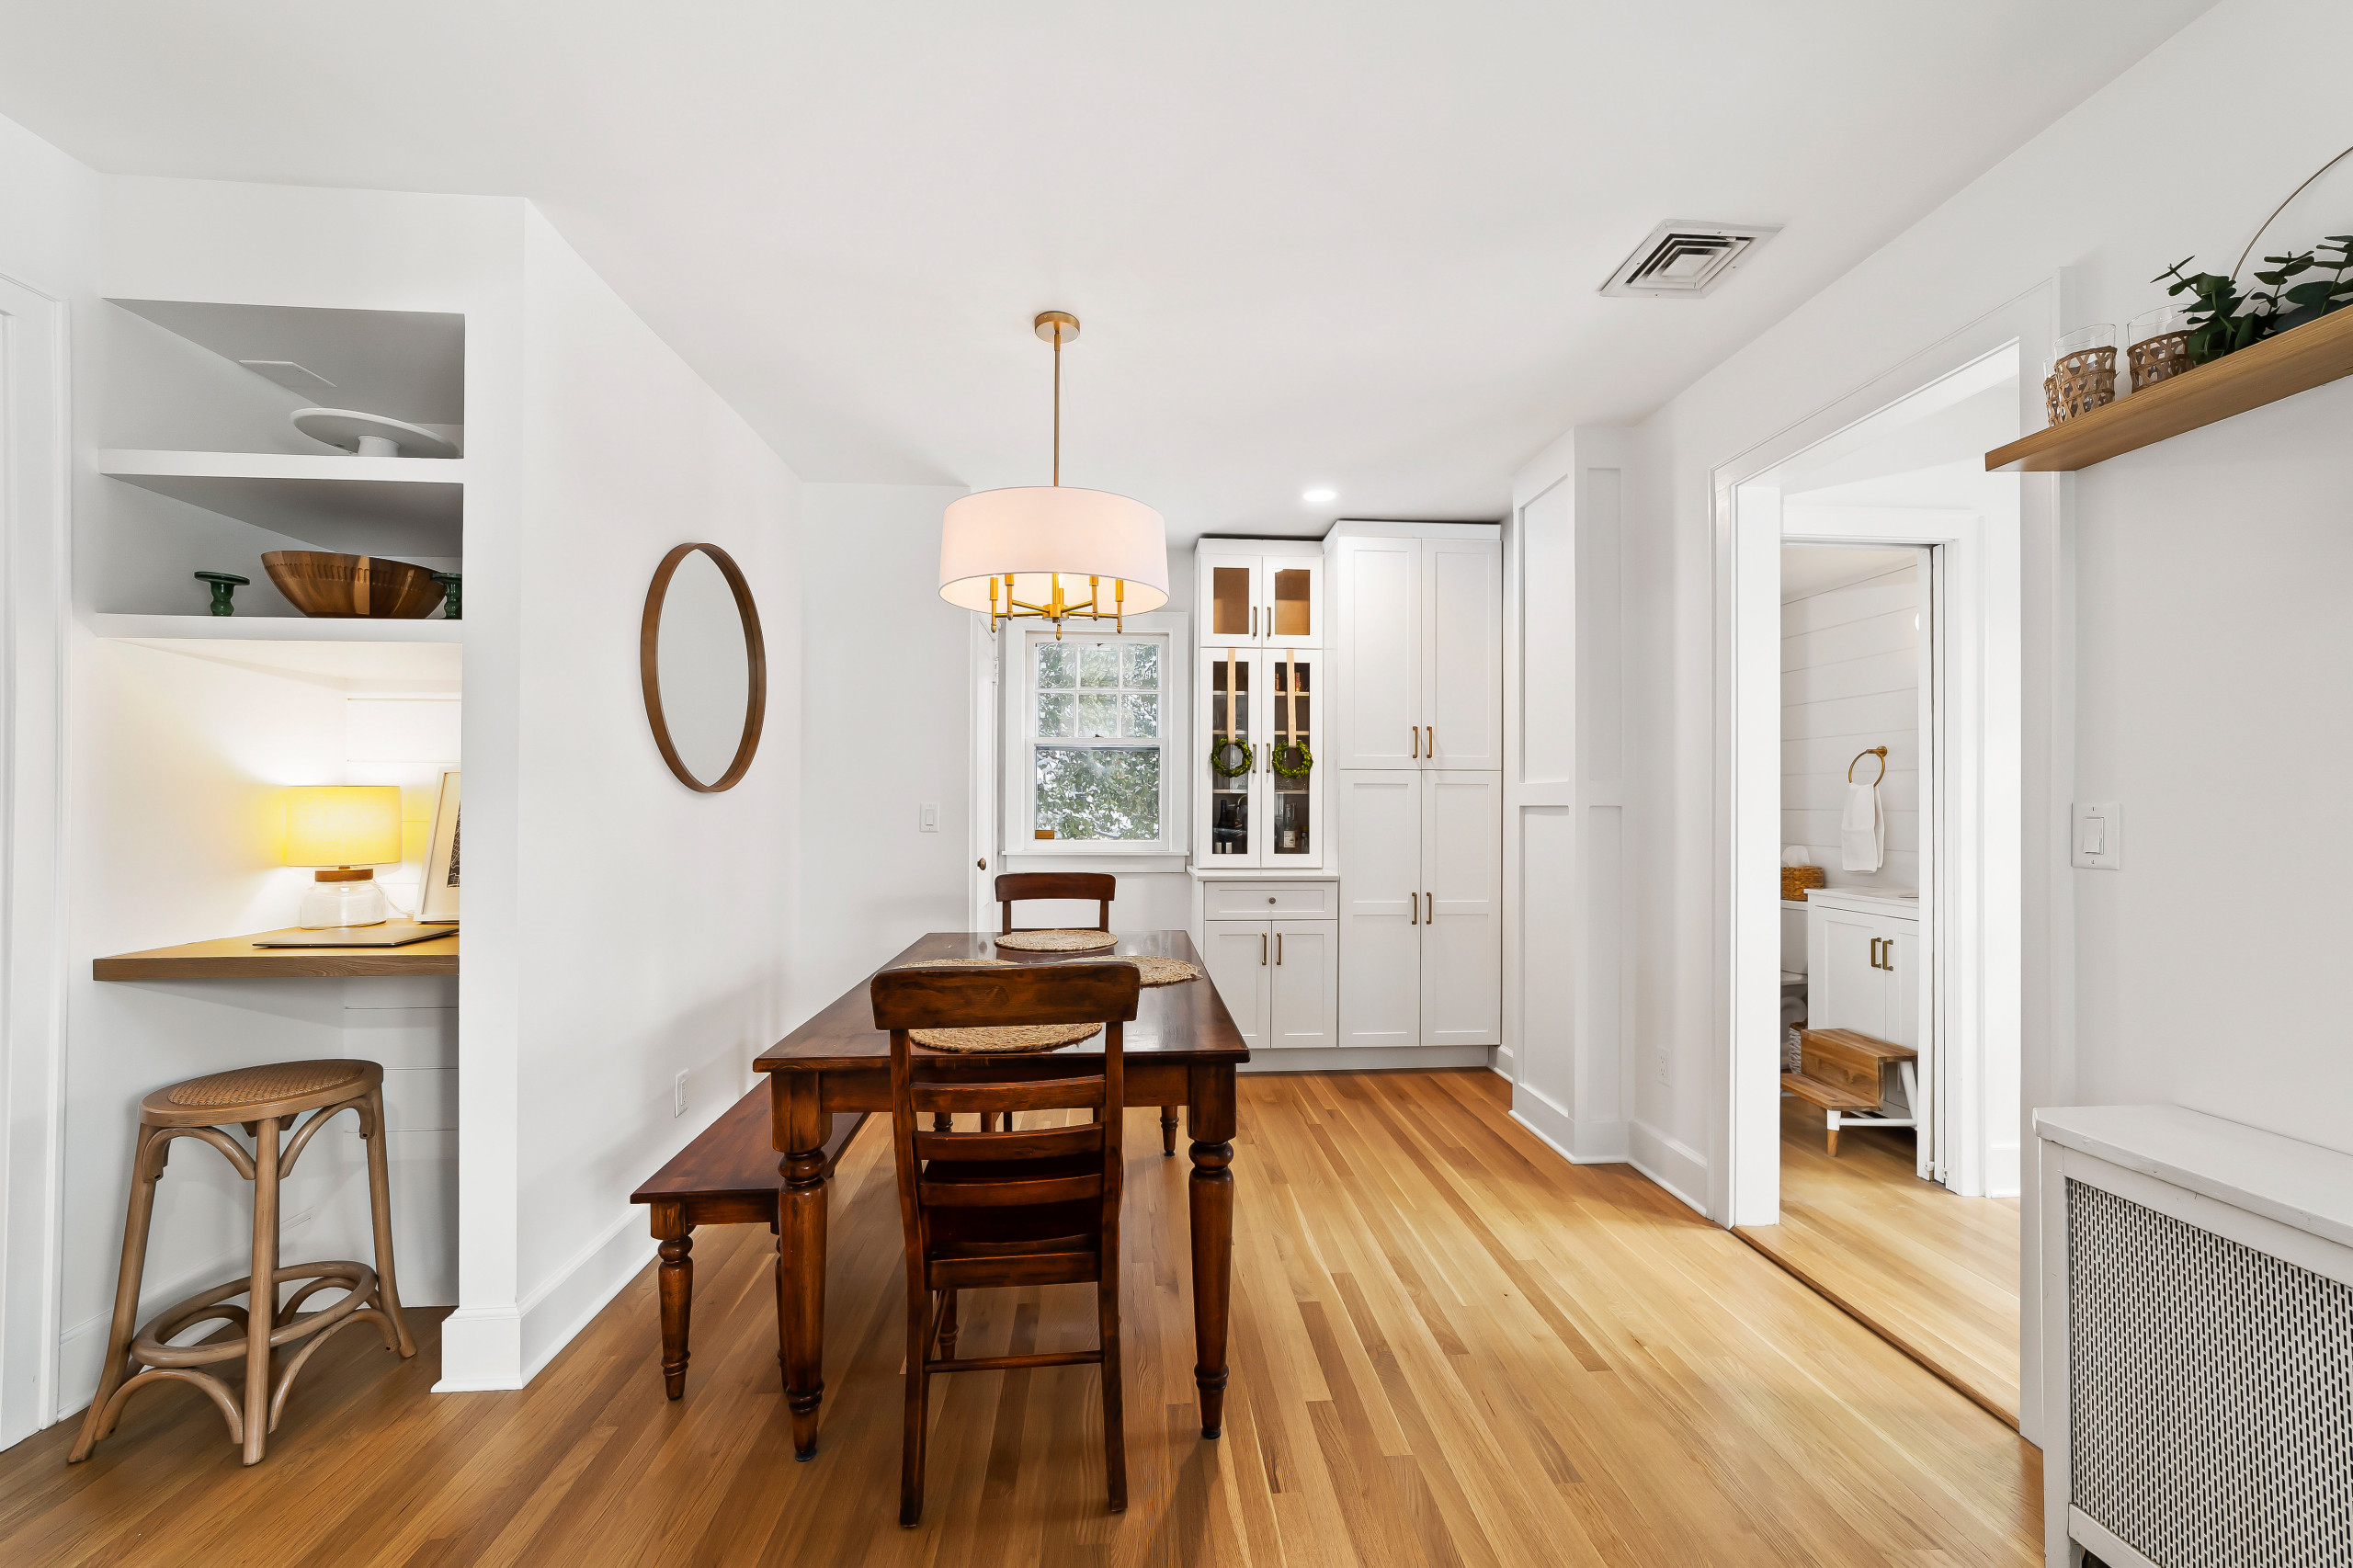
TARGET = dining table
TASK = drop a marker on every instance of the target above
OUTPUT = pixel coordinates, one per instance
(1181, 1049)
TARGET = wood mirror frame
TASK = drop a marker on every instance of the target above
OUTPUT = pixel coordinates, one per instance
(649, 667)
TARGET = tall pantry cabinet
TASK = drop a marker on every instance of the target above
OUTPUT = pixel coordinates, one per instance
(1416, 792)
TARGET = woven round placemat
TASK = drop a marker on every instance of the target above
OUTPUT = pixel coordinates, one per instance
(1158, 970)
(1006, 1039)
(960, 963)
(1058, 941)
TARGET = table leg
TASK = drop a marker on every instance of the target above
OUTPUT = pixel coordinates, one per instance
(676, 1280)
(801, 1255)
(1212, 1194)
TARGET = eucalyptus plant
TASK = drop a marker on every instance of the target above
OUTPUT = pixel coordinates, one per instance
(2222, 319)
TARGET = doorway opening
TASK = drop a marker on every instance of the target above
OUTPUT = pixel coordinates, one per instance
(1891, 1185)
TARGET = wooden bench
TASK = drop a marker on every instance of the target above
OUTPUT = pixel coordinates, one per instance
(1845, 1073)
(728, 1176)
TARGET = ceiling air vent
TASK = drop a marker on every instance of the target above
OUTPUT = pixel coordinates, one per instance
(1685, 261)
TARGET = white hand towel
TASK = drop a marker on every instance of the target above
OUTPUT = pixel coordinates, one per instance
(1862, 830)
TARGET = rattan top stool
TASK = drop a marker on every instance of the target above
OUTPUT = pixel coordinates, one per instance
(267, 1101)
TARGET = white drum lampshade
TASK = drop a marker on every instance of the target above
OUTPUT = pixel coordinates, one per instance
(1037, 533)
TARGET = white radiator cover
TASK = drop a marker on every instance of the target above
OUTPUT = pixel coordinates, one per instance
(2198, 1317)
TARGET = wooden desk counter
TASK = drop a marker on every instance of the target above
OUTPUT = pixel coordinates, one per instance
(237, 958)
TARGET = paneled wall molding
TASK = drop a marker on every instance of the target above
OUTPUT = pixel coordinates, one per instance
(1566, 957)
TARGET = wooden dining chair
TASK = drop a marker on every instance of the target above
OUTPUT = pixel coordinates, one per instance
(992, 1209)
(1016, 887)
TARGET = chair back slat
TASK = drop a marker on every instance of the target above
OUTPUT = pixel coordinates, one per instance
(1016, 887)
(1035, 1144)
(1045, 1094)
(1007, 1190)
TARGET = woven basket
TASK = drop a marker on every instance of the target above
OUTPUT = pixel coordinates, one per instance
(2080, 383)
(2155, 360)
(1795, 880)
(1058, 941)
(1006, 1039)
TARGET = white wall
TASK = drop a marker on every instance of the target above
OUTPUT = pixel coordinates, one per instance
(2199, 566)
(1850, 681)
(885, 727)
(657, 922)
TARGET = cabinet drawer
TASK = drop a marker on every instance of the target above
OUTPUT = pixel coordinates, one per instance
(1290, 901)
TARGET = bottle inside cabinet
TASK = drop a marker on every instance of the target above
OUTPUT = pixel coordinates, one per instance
(1291, 756)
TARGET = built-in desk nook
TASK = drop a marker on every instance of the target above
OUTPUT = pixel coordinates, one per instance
(239, 958)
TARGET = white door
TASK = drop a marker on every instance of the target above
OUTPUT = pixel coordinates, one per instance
(1229, 592)
(1380, 907)
(1379, 586)
(1845, 988)
(1291, 600)
(1463, 825)
(1462, 650)
(1239, 956)
(1304, 993)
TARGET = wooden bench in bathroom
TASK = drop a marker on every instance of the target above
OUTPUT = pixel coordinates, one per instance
(727, 1175)
(1845, 1071)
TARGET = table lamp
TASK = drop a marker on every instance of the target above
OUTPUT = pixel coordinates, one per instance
(346, 831)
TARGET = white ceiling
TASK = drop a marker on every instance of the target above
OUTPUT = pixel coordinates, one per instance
(1313, 243)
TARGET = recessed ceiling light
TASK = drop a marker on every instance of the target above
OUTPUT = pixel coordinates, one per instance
(1319, 496)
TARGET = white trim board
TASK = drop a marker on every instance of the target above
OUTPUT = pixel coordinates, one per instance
(1368, 1059)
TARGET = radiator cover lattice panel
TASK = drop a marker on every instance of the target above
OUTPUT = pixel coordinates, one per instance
(2211, 1393)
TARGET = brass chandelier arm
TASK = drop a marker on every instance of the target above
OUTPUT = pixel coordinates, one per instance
(1059, 610)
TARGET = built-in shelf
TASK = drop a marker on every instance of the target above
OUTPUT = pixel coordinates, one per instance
(362, 506)
(237, 958)
(425, 651)
(2298, 360)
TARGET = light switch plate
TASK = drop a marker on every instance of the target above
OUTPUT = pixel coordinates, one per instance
(2096, 837)
(930, 819)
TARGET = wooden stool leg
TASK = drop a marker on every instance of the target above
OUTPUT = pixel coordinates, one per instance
(379, 1204)
(1168, 1131)
(1834, 1132)
(676, 1280)
(137, 1220)
(261, 1298)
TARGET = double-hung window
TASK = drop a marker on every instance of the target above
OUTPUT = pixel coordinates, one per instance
(1096, 711)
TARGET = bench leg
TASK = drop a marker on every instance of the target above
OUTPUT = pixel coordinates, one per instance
(676, 1280)
(1168, 1131)
(1834, 1132)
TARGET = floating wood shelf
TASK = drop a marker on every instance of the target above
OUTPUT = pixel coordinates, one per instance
(2298, 360)
(275, 629)
(363, 506)
(237, 958)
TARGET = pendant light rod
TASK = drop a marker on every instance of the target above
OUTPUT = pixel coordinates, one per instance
(1057, 327)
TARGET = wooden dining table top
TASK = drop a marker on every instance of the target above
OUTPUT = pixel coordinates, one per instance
(1185, 1023)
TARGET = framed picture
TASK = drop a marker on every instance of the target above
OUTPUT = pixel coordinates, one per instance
(436, 897)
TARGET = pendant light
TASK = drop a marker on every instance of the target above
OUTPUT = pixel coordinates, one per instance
(1020, 553)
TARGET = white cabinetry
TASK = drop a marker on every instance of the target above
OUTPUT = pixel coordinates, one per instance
(1264, 699)
(1421, 954)
(1420, 640)
(1259, 593)
(1277, 972)
(1865, 968)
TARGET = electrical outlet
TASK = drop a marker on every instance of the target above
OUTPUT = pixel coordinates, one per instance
(930, 819)
(679, 1095)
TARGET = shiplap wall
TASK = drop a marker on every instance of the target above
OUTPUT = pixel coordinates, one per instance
(1850, 678)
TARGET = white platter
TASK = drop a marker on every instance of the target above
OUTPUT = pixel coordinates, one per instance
(371, 434)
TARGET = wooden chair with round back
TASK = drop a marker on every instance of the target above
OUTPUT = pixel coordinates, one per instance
(269, 1102)
(1016, 887)
(1007, 1210)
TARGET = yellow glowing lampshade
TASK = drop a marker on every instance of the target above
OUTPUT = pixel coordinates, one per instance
(342, 824)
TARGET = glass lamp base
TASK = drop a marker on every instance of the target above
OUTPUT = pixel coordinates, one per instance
(341, 903)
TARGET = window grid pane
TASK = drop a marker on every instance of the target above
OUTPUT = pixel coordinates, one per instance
(1101, 700)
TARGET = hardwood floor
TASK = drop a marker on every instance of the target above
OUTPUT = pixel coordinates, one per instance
(1450, 1346)
(1937, 1274)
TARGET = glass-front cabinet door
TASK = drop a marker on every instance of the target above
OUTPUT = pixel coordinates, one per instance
(1260, 784)
(1252, 594)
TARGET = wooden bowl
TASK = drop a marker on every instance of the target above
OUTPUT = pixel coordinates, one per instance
(321, 582)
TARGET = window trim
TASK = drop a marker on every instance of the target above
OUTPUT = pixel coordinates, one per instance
(1018, 792)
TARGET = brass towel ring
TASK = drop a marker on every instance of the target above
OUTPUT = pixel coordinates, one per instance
(1878, 752)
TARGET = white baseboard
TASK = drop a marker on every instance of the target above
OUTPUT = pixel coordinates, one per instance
(2002, 1171)
(1504, 1062)
(1581, 1144)
(1368, 1059)
(482, 1348)
(1672, 1164)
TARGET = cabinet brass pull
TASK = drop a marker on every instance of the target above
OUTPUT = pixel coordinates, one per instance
(1887, 954)
(1413, 910)
(1262, 949)
(1416, 731)
(1279, 946)
(1253, 621)
(1874, 952)
(1431, 917)
(1431, 745)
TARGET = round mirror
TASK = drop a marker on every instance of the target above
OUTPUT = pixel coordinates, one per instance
(704, 666)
